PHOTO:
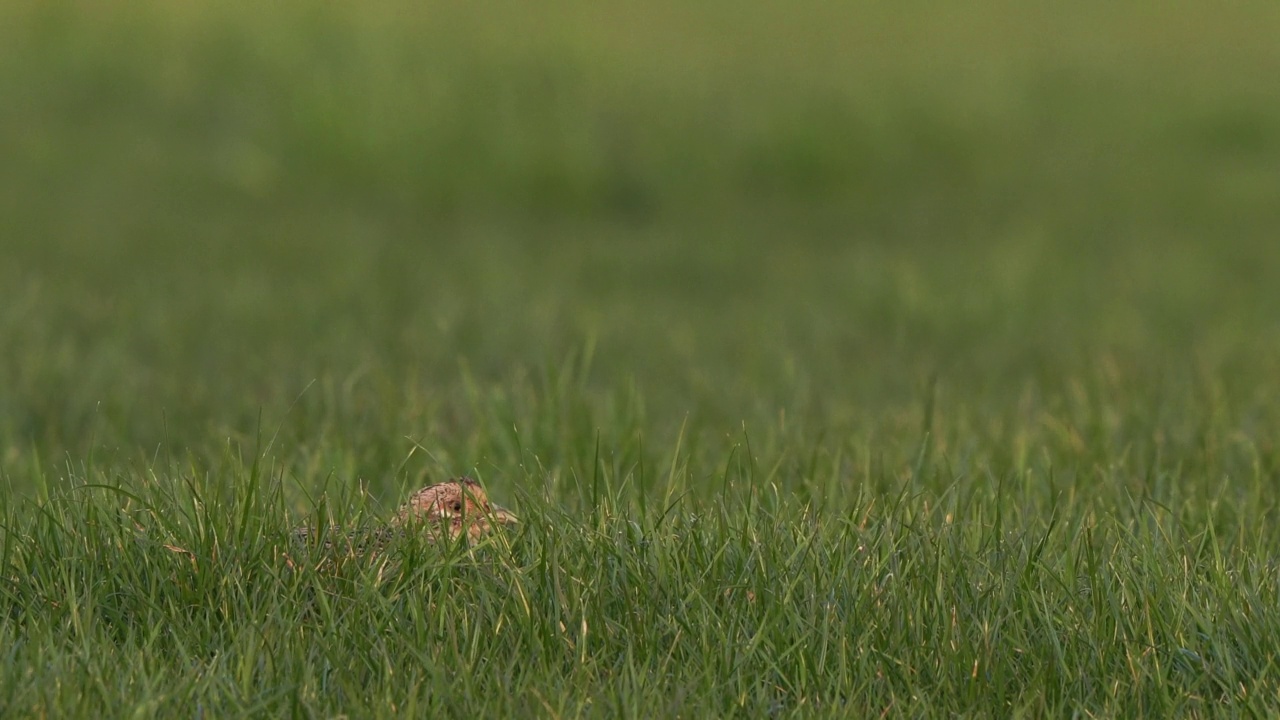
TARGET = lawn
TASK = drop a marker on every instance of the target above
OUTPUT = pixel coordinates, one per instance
(840, 360)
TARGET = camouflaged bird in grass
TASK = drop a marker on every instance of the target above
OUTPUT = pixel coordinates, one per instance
(442, 511)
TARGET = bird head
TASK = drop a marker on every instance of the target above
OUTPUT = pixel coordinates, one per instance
(457, 506)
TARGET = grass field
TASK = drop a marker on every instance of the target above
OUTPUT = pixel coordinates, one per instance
(895, 359)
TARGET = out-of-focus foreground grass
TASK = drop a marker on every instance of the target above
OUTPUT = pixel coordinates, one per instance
(872, 255)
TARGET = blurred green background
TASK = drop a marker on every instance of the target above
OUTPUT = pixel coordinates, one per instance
(516, 233)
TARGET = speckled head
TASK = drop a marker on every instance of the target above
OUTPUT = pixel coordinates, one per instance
(458, 505)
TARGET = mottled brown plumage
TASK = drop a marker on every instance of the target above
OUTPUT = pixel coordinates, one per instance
(454, 506)
(444, 510)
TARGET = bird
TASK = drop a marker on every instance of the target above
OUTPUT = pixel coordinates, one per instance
(442, 511)
(457, 506)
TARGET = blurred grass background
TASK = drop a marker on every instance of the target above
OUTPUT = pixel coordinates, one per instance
(347, 226)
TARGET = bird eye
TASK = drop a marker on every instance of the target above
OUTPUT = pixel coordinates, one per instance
(456, 506)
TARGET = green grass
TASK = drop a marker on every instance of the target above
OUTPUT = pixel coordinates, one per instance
(898, 360)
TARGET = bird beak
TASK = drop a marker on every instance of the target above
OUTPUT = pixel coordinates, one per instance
(503, 516)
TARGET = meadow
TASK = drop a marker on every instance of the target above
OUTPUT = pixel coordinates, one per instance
(840, 360)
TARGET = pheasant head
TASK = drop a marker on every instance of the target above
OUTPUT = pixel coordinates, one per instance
(456, 506)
